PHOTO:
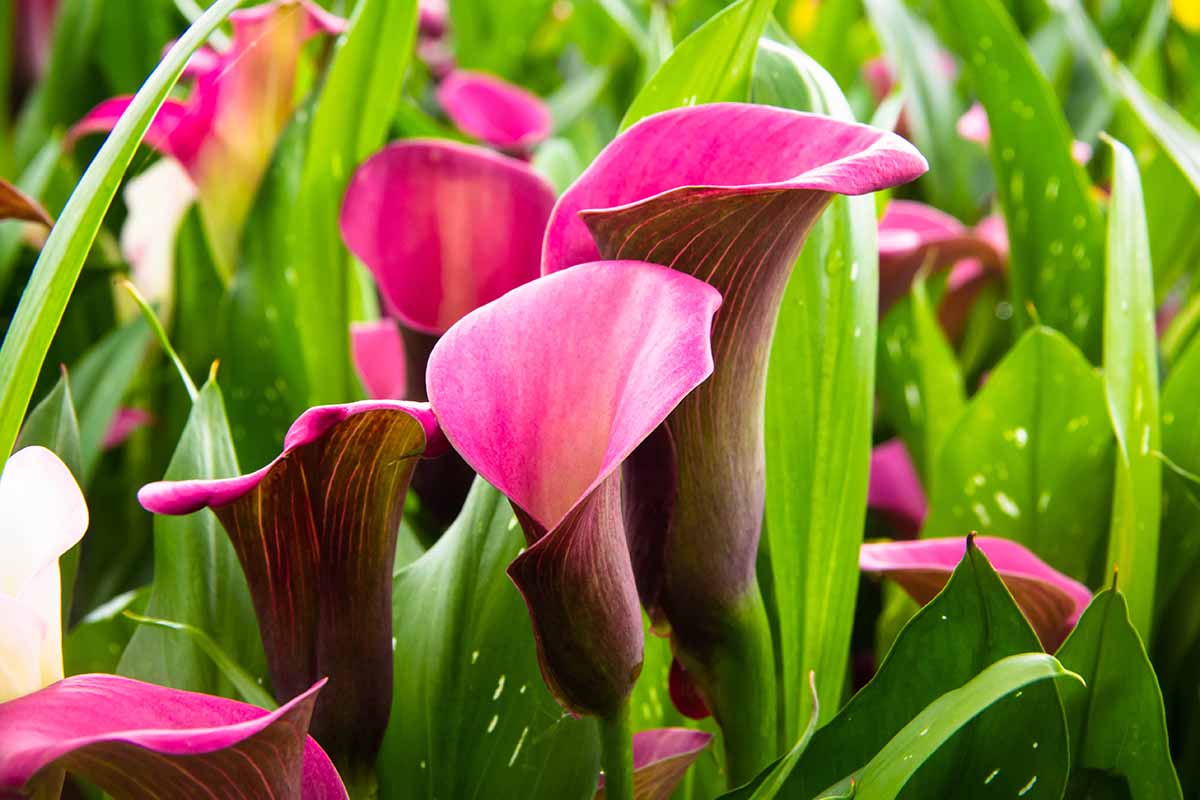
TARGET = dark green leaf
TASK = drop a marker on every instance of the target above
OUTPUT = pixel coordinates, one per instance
(470, 714)
(1117, 723)
(1053, 223)
(197, 578)
(1131, 382)
(53, 425)
(1031, 458)
(972, 624)
(96, 643)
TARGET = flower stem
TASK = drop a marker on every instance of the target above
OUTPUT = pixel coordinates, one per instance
(616, 754)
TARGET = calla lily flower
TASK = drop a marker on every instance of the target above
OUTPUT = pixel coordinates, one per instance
(42, 516)
(494, 111)
(894, 489)
(974, 127)
(123, 424)
(1051, 601)
(913, 236)
(725, 192)
(15, 204)
(661, 757)
(442, 262)
(32, 39)
(157, 201)
(315, 531)
(225, 132)
(431, 18)
(545, 392)
(880, 78)
(379, 359)
(135, 739)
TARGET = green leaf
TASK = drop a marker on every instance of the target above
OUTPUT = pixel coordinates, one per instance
(33, 182)
(819, 406)
(1030, 459)
(932, 106)
(921, 388)
(970, 625)
(96, 643)
(886, 775)
(45, 298)
(495, 36)
(1054, 225)
(713, 64)
(53, 425)
(770, 782)
(1131, 382)
(1118, 726)
(349, 122)
(1179, 546)
(246, 686)
(197, 578)
(470, 714)
(99, 381)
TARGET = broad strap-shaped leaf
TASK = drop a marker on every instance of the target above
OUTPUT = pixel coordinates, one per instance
(494, 111)
(42, 516)
(444, 261)
(1118, 727)
(973, 126)
(818, 414)
(1051, 601)
(712, 65)
(660, 759)
(1053, 221)
(53, 424)
(470, 714)
(315, 531)
(136, 739)
(885, 775)
(197, 578)
(1131, 386)
(725, 192)
(1030, 457)
(595, 358)
(969, 626)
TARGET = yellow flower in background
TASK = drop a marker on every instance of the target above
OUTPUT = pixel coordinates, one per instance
(1187, 13)
(802, 16)
(42, 516)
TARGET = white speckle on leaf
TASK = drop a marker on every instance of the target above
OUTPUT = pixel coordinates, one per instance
(991, 776)
(1007, 505)
(499, 689)
(1025, 789)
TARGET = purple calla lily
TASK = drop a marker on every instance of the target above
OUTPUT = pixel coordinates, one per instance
(442, 262)
(913, 236)
(135, 739)
(1052, 602)
(550, 422)
(725, 192)
(494, 111)
(894, 489)
(315, 531)
(661, 757)
(379, 359)
(225, 132)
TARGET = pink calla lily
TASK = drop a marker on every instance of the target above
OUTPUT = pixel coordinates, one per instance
(725, 192)
(1051, 601)
(135, 739)
(593, 360)
(379, 359)
(315, 531)
(895, 489)
(225, 132)
(661, 757)
(973, 126)
(494, 111)
(123, 425)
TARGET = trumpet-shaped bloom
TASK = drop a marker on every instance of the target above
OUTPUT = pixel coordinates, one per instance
(225, 132)
(42, 516)
(661, 757)
(913, 236)
(1051, 601)
(545, 392)
(494, 111)
(315, 531)
(727, 193)
(15, 204)
(379, 359)
(895, 489)
(135, 739)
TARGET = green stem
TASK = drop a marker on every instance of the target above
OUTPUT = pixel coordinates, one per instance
(739, 682)
(616, 754)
